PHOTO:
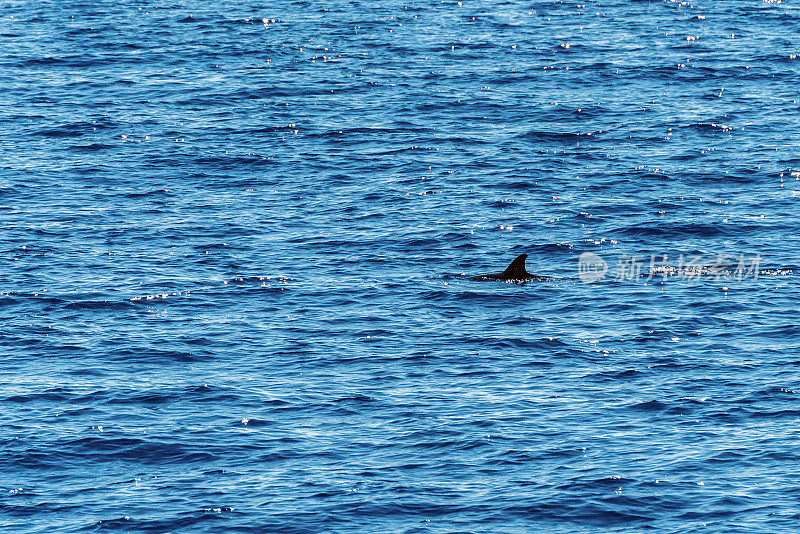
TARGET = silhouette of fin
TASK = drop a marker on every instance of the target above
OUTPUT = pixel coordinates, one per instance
(516, 270)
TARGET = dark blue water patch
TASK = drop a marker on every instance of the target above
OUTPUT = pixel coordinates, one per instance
(649, 406)
(52, 395)
(189, 520)
(616, 375)
(98, 305)
(777, 414)
(677, 230)
(154, 354)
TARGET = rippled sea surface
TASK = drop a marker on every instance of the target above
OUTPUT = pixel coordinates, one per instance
(236, 242)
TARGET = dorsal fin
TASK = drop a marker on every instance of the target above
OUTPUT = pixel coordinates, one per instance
(516, 270)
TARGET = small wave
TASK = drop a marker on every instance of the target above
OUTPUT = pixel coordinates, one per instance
(560, 137)
(649, 406)
(98, 305)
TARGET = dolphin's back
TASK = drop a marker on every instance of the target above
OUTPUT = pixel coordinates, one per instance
(515, 271)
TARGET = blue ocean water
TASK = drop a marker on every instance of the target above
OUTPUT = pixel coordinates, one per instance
(236, 242)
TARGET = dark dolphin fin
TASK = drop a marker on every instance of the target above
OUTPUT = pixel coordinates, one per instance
(516, 270)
